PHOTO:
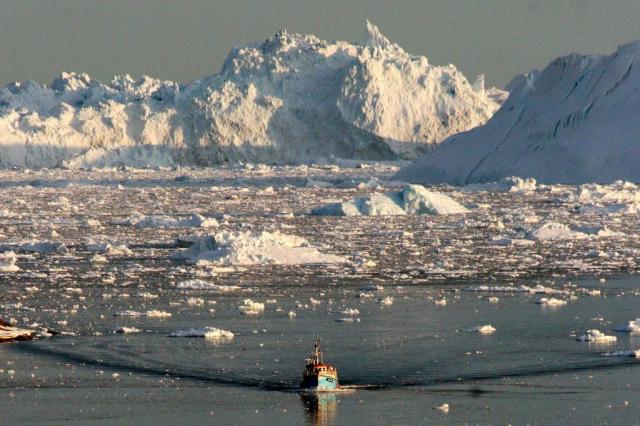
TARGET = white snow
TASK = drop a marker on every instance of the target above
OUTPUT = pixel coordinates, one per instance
(292, 98)
(206, 332)
(596, 336)
(573, 122)
(249, 248)
(412, 199)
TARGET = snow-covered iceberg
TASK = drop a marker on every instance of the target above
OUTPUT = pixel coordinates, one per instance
(575, 121)
(292, 98)
(254, 248)
(412, 199)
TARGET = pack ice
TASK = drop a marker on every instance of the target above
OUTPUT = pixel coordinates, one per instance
(293, 98)
(575, 121)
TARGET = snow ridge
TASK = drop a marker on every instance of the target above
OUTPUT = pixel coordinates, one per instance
(573, 122)
(293, 98)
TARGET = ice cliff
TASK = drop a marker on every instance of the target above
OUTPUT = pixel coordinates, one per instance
(293, 98)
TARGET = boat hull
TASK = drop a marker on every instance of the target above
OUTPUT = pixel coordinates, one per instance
(320, 383)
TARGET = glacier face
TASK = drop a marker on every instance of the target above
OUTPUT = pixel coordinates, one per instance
(578, 120)
(291, 99)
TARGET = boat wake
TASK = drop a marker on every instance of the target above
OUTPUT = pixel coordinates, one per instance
(131, 362)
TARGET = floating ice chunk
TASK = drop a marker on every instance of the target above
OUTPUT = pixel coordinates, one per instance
(626, 354)
(506, 241)
(162, 221)
(134, 314)
(412, 199)
(128, 330)
(292, 314)
(110, 249)
(350, 312)
(630, 326)
(444, 408)
(596, 336)
(96, 258)
(206, 332)
(44, 247)
(249, 307)
(483, 329)
(509, 184)
(157, 314)
(493, 299)
(440, 302)
(551, 302)
(8, 262)
(248, 248)
(195, 301)
(555, 231)
(150, 314)
(206, 285)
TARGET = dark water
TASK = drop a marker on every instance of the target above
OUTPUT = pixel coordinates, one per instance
(401, 360)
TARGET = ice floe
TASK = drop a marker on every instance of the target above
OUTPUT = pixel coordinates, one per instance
(624, 354)
(596, 336)
(206, 285)
(164, 221)
(629, 326)
(250, 248)
(212, 333)
(44, 247)
(552, 301)
(249, 307)
(483, 329)
(412, 199)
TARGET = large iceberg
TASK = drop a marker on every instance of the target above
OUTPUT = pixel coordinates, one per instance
(293, 98)
(575, 121)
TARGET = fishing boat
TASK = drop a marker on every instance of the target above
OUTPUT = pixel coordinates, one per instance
(317, 375)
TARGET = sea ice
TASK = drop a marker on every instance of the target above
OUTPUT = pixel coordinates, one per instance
(596, 336)
(206, 332)
(249, 248)
(630, 326)
(412, 199)
(483, 329)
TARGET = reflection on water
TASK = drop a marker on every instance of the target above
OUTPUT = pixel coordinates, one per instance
(321, 408)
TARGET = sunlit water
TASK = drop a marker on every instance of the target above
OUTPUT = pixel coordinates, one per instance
(403, 360)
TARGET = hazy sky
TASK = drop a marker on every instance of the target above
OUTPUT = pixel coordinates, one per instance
(184, 40)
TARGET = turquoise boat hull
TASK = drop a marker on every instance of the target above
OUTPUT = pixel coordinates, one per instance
(321, 383)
